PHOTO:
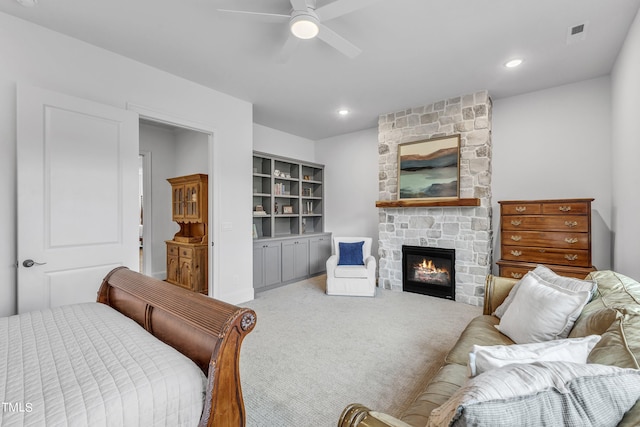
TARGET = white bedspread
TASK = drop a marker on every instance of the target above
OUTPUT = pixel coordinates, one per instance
(88, 365)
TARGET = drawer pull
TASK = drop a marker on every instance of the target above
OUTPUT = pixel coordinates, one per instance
(571, 239)
(516, 275)
(571, 224)
(542, 251)
(516, 238)
(571, 257)
(516, 222)
(516, 253)
(521, 209)
(564, 208)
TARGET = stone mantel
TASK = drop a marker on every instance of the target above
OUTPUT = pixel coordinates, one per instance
(427, 203)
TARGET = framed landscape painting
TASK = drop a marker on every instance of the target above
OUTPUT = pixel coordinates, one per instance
(429, 169)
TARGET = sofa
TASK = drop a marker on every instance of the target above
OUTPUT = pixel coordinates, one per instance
(612, 312)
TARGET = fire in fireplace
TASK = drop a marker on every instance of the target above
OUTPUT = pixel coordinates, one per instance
(429, 271)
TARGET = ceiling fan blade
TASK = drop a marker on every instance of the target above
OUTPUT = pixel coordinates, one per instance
(287, 49)
(299, 4)
(341, 7)
(262, 16)
(338, 42)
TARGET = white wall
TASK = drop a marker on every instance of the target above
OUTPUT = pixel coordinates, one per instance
(192, 152)
(351, 184)
(278, 143)
(36, 56)
(555, 143)
(625, 82)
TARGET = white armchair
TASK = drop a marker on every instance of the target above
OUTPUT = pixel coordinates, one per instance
(355, 280)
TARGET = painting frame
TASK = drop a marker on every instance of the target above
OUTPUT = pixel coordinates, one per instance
(429, 169)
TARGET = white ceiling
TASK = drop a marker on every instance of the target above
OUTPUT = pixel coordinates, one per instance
(414, 52)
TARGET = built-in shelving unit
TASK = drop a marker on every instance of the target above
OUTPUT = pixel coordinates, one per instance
(288, 220)
(287, 197)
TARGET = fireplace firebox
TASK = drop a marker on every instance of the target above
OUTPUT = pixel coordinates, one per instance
(429, 271)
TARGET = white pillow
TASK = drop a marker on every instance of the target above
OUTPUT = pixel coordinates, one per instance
(548, 275)
(541, 311)
(542, 393)
(485, 358)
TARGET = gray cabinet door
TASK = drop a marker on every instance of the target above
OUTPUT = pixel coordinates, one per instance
(319, 252)
(295, 259)
(266, 264)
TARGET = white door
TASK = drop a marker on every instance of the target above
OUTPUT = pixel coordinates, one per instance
(77, 196)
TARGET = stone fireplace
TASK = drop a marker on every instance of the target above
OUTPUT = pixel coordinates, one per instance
(466, 229)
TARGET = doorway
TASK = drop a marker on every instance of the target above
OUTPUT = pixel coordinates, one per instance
(168, 150)
(171, 151)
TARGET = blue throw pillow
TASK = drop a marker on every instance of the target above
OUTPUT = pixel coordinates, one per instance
(350, 253)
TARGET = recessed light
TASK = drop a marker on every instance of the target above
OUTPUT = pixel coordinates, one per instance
(343, 112)
(513, 63)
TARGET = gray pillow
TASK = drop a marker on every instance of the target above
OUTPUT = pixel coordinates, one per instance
(542, 393)
(548, 275)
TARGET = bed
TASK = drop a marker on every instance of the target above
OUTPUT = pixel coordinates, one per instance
(146, 353)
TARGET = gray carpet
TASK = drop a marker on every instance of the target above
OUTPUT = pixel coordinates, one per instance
(310, 354)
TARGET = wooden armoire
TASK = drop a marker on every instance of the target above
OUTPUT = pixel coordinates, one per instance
(187, 253)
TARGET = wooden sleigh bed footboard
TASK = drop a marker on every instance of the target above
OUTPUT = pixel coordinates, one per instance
(208, 331)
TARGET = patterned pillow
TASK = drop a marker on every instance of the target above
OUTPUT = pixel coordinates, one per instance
(542, 393)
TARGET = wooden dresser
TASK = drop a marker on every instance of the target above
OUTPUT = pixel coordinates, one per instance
(556, 233)
(188, 252)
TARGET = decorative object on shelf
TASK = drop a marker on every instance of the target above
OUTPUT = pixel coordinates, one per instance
(306, 192)
(429, 169)
(309, 207)
(276, 172)
(306, 177)
(255, 231)
(275, 208)
(287, 209)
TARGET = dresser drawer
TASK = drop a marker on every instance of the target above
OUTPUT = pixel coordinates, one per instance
(571, 208)
(521, 209)
(518, 270)
(186, 252)
(573, 223)
(173, 250)
(580, 258)
(545, 239)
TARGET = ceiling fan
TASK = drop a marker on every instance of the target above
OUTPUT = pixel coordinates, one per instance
(306, 22)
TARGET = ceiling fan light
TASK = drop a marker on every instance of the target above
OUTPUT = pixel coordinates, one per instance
(304, 25)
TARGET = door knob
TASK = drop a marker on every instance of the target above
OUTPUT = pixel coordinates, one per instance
(30, 263)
